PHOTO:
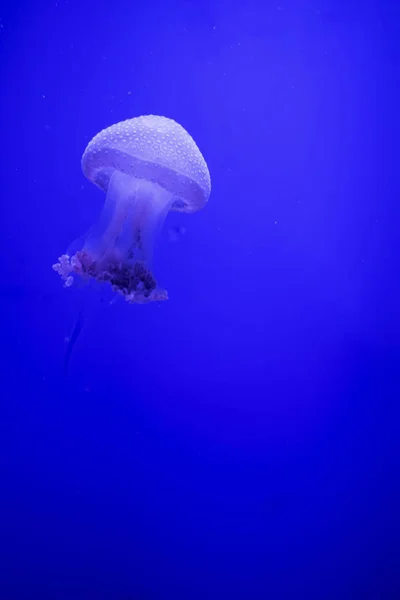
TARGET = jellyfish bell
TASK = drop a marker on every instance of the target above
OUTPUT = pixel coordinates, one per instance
(147, 166)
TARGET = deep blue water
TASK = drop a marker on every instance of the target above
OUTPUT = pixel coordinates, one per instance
(239, 441)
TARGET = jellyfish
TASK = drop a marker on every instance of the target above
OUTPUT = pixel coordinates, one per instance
(147, 166)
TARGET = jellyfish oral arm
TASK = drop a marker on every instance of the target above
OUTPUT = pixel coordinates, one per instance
(119, 248)
(152, 204)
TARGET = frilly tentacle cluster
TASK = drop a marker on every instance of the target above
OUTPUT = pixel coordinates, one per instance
(132, 280)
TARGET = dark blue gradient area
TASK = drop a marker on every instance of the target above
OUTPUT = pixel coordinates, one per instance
(239, 441)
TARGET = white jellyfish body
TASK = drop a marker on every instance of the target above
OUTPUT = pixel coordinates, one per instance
(147, 166)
